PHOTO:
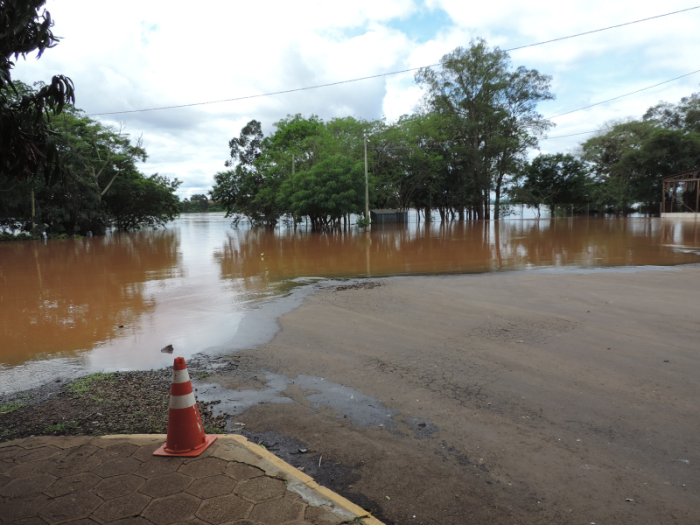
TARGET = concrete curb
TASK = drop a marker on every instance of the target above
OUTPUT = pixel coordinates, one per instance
(235, 448)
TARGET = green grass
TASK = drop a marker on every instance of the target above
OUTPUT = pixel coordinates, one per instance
(85, 384)
(202, 375)
(10, 407)
(61, 428)
(212, 430)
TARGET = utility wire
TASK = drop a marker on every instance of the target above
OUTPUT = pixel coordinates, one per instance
(625, 95)
(383, 74)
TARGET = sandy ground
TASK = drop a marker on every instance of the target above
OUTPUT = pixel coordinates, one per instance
(512, 398)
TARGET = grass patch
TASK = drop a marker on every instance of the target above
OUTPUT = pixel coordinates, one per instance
(87, 383)
(11, 407)
(202, 375)
(61, 428)
(213, 430)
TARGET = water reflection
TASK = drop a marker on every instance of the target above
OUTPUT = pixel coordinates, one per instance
(70, 295)
(258, 261)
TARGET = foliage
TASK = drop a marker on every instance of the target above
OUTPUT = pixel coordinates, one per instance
(199, 203)
(28, 145)
(629, 159)
(490, 118)
(552, 180)
(101, 184)
(139, 201)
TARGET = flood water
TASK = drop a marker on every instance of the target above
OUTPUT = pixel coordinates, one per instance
(112, 302)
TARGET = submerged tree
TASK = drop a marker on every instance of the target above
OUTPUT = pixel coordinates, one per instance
(490, 118)
(552, 180)
(630, 159)
(101, 184)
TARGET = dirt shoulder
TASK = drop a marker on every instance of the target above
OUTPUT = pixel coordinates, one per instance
(513, 398)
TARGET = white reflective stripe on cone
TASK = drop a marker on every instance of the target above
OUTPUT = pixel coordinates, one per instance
(180, 376)
(185, 401)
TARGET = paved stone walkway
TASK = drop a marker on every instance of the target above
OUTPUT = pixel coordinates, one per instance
(116, 479)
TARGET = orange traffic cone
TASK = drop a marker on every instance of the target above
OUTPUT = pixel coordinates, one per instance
(185, 433)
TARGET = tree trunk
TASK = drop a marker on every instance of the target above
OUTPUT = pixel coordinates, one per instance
(497, 210)
(33, 212)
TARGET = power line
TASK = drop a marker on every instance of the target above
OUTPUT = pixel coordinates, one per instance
(572, 135)
(625, 95)
(604, 29)
(260, 95)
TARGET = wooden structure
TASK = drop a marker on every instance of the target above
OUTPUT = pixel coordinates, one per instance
(681, 194)
(384, 216)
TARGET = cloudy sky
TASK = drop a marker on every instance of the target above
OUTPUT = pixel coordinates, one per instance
(131, 55)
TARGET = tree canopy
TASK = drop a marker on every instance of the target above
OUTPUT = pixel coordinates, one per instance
(28, 145)
(102, 184)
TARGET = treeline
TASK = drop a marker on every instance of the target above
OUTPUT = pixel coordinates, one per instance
(199, 203)
(62, 173)
(100, 185)
(464, 152)
(477, 121)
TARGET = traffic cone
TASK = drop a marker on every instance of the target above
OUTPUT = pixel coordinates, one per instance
(186, 436)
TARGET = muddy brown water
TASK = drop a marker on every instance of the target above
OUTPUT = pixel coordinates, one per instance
(112, 302)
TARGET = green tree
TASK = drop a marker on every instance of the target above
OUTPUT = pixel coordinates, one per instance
(138, 201)
(28, 145)
(490, 117)
(327, 191)
(247, 189)
(101, 184)
(552, 180)
(630, 159)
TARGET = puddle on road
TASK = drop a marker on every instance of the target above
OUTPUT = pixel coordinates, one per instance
(362, 410)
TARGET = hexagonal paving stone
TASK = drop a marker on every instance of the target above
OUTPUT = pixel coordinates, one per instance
(261, 489)
(241, 471)
(36, 454)
(118, 486)
(168, 510)
(212, 486)
(131, 521)
(26, 486)
(223, 509)
(157, 466)
(128, 506)
(145, 452)
(74, 465)
(70, 507)
(120, 450)
(278, 510)
(117, 467)
(32, 469)
(9, 451)
(14, 510)
(202, 468)
(4, 480)
(32, 521)
(76, 483)
(84, 451)
(6, 465)
(166, 485)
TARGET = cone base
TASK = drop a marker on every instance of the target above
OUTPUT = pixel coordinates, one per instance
(186, 453)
